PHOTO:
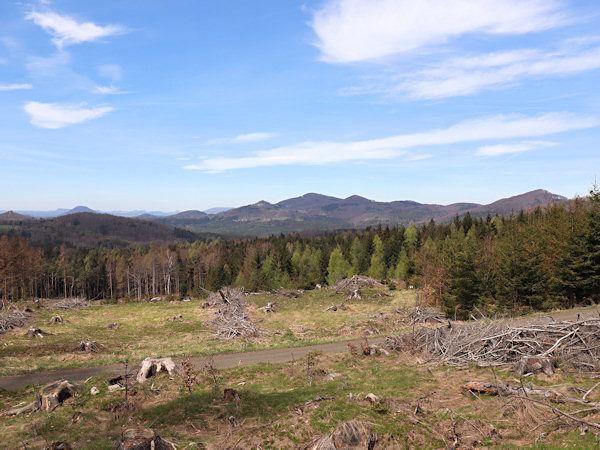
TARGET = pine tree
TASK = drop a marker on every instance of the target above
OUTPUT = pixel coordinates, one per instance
(338, 267)
(377, 267)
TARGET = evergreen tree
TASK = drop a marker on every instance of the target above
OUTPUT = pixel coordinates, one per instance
(338, 268)
(377, 267)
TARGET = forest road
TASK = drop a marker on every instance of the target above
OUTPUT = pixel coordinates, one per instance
(220, 361)
(272, 356)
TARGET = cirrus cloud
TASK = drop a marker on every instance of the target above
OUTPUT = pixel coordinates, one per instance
(55, 115)
(327, 152)
(67, 30)
(15, 86)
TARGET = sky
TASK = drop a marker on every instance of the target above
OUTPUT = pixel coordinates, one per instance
(193, 104)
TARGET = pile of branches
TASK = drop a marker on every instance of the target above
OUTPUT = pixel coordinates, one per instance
(419, 315)
(71, 303)
(14, 319)
(496, 344)
(231, 319)
(357, 282)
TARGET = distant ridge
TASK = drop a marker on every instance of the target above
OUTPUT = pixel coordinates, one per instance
(11, 216)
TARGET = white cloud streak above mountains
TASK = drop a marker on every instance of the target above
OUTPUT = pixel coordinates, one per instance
(54, 115)
(327, 152)
(67, 30)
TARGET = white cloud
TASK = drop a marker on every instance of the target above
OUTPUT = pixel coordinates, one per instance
(111, 71)
(361, 30)
(54, 115)
(15, 87)
(473, 74)
(67, 30)
(318, 153)
(108, 90)
(242, 138)
(519, 147)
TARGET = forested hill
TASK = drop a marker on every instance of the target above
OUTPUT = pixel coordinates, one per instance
(321, 212)
(91, 230)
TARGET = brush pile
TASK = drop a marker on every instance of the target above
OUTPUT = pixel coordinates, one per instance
(71, 303)
(14, 319)
(576, 343)
(357, 282)
(231, 320)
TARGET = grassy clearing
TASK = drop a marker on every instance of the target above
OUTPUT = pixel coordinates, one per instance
(147, 329)
(266, 416)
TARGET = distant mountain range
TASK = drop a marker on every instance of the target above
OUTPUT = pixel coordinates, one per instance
(135, 213)
(310, 212)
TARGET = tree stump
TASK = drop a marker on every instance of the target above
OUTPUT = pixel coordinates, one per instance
(142, 439)
(36, 332)
(532, 364)
(88, 346)
(54, 394)
(231, 395)
(153, 365)
(349, 435)
(56, 319)
(269, 308)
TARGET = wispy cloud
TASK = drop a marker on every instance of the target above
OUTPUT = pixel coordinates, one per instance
(54, 115)
(113, 72)
(243, 138)
(15, 87)
(473, 74)
(320, 153)
(108, 90)
(518, 147)
(66, 30)
(362, 30)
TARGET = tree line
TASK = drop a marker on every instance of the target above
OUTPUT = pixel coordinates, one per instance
(539, 259)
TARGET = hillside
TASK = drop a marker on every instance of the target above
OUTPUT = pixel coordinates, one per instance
(320, 212)
(86, 230)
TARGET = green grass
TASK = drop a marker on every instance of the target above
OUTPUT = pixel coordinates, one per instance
(147, 329)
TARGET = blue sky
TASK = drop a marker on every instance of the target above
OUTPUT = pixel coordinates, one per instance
(191, 104)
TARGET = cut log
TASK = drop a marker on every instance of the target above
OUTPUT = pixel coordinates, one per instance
(153, 365)
(36, 332)
(54, 394)
(507, 390)
(142, 439)
(533, 364)
(33, 406)
(231, 395)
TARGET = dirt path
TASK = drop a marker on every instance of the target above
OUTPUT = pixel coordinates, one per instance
(221, 361)
(227, 360)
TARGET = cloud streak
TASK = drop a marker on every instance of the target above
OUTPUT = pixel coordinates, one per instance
(364, 30)
(54, 115)
(325, 152)
(506, 149)
(67, 30)
(15, 87)
(242, 138)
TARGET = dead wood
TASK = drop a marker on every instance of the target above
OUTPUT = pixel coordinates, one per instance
(231, 319)
(71, 303)
(290, 293)
(31, 407)
(357, 282)
(14, 319)
(177, 317)
(268, 308)
(60, 445)
(56, 319)
(112, 326)
(88, 346)
(142, 439)
(299, 409)
(36, 332)
(349, 435)
(153, 365)
(576, 343)
(231, 395)
(354, 294)
(530, 364)
(54, 394)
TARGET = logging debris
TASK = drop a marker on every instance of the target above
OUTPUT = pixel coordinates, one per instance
(268, 308)
(348, 435)
(357, 282)
(71, 303)
(88, 346)
(354, 294)
(36, 332)
(342, 307)
(576, 343)
(142, 438)
(14, 319)
(290, 293)
(49, 397)
(231, 319)
(56, 319)
(299, 409)
(231, 395)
